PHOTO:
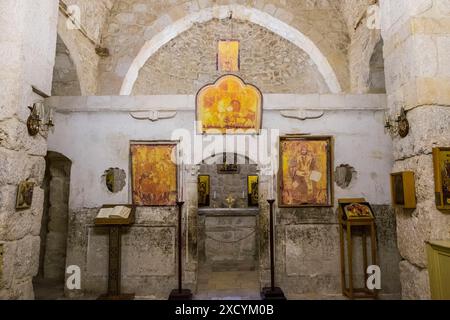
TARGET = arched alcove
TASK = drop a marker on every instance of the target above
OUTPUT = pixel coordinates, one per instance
(228, 182)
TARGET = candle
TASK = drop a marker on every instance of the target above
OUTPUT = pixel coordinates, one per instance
(182, 180)
(270, 193)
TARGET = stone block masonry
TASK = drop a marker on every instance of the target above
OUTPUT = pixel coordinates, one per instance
(28, 62)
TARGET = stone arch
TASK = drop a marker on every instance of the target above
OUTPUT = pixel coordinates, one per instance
(71, 41)
(377, 81)
(65, 76)
(240, 12)
(241, 158)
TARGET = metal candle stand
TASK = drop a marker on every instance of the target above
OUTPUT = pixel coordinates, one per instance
(272, 292)
(180, 293)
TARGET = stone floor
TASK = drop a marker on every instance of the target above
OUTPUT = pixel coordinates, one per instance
(212, 285)
(45, 289)
(228, 285)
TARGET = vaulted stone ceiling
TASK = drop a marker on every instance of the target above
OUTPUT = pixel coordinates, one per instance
(134, 22)
(267, 60)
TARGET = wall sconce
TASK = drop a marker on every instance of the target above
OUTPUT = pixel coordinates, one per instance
(398, 126)
(40, 119)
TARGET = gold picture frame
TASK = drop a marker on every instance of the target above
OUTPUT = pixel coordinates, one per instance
(253, 190)
(403, 190)
(229, 106)
(204, 190)
(154, 173)
(24, 198)
(441, 165)
(305, 175)
(355, 210)
(228, 56)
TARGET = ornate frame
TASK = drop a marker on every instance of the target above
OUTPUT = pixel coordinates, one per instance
(330, 174)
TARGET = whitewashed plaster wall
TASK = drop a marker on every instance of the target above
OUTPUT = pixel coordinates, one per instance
(95, 134)
(96, 141)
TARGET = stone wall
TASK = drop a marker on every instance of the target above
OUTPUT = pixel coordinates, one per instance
(417, 42)
(134, 22)
(148, 253)
(94, 15)
(82, 53)
(228, 243)
(189, 61)
(106, 123)
(65, 78)
(308, 239)
(27, 43)
(361, 18)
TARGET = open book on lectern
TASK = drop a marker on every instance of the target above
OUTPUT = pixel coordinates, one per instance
(118, 212)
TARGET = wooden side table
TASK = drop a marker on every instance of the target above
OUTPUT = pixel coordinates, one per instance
(348, 226)
(114, 266)
(438, 253)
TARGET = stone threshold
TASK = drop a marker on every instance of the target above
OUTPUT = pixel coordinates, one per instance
(228, 212)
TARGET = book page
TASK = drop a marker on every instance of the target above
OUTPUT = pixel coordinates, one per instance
(104, 213)
(315, 176)
(120, 212)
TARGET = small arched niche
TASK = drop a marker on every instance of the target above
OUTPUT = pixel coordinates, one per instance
(228, 175)
(377, 80)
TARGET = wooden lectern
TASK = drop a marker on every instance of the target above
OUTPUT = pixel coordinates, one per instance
(114, 267)
(356, 216)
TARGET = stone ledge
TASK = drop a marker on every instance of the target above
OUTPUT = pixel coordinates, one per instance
(187, 102)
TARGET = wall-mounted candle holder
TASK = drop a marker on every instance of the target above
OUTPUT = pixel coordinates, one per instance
(397, 126)
(40, 119)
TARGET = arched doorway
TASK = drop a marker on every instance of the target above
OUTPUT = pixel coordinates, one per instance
(228, 224)
(49, 283)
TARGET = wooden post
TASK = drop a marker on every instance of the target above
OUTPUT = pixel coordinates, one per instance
(350, 260)
(114, 261)
(114, 226)
(341, 233)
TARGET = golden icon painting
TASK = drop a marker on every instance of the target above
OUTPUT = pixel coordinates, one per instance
(229, 106)
(24, 197)
(252, 191)
(441, 161)
(154, 174)
(204, 188)
(228, 56)
(305, 171)
(357, 210)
